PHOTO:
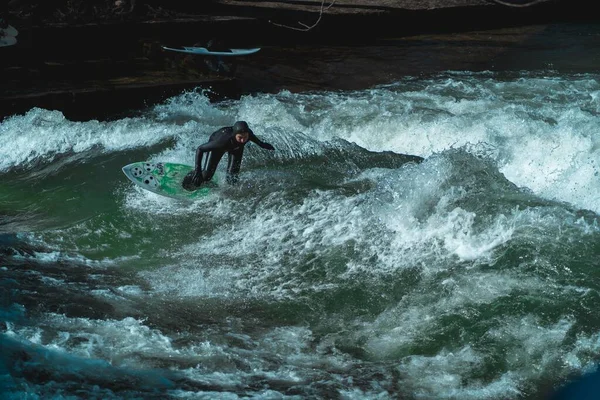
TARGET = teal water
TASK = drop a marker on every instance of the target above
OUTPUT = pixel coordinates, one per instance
(341, 267)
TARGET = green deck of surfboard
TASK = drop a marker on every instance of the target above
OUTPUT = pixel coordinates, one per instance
(164, 179)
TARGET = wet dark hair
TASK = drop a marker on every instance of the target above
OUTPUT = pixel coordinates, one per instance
(240, 126)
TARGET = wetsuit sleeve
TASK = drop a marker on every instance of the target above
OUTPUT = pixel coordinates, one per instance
(252, 138)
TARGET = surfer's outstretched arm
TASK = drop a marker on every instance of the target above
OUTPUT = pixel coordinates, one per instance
(252, 138)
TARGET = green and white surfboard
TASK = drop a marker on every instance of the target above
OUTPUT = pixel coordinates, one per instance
(165, 179)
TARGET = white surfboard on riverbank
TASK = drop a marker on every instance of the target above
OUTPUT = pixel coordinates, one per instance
(204, 51)
(8, 36)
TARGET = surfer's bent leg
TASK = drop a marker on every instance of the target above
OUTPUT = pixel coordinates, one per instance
(211, 161)
(190, 180)
(233, 165)
(210, 166)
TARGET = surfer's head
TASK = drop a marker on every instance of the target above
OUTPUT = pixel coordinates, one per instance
(241, 131)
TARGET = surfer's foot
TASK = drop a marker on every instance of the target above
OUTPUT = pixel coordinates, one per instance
(187, 183)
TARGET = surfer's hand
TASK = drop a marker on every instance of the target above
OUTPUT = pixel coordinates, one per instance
(197, 178)
(267, 146)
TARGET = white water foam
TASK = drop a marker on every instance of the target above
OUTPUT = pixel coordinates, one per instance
(250, 253)
(542, 128)
(43, 135)
(408, 220)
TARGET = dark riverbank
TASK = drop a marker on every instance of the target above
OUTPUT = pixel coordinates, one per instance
(103, 70)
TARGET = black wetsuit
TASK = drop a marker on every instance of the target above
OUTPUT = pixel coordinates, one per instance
(220, 142)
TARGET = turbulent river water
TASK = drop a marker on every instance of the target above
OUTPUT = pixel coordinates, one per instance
(429, 237)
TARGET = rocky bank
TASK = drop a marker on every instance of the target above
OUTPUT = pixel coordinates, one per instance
(104, 62)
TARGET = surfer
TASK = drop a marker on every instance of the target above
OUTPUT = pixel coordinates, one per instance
(229, 139)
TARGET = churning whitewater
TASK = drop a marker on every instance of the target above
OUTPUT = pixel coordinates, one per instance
(435, 238)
